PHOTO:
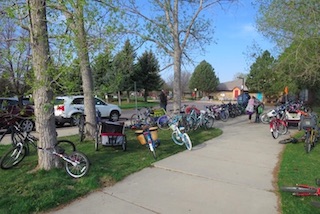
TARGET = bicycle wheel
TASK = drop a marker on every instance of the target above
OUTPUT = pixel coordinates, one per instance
(209, 121)
(81, 128)
(274, 130)
(65, 146)
(135, 119)
(282, 128)
(176, 138)
(298, 189)
(307, 142)
(152, 150)
(13, 157)
(224, 116)
(78, 165)
(187, 141)
(97, 138)
(163, 122)
(264, 118)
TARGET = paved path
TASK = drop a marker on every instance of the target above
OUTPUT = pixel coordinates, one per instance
(230, 174)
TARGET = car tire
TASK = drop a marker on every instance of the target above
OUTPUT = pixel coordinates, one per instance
(27, 125)
(75, 119)
(114, 116)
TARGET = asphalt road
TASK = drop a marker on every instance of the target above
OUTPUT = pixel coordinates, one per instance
(125, 116)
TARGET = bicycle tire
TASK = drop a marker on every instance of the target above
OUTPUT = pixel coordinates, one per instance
(13, 157)
(187, 141)
(274, 130)
(264, 118)
(97, 140)
(315, 203)
(285, 141)
(298, 189)
(176, 139)
(163, 122)
(134, 119)
(307, 143)
(124, 144)
(81, 127)
(282, 128)
(209, 121)
(79, 166)
(152, 150)
(65, 146)
(224, 116)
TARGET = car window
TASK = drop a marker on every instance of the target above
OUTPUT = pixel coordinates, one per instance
(78, 101)
(59, 101)
(99, 102)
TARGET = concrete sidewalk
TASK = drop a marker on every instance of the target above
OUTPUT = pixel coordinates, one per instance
(229, 174)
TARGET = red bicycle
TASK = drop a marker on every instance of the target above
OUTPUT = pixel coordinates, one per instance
(278, 126)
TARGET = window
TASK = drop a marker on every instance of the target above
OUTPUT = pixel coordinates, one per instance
(78, 101)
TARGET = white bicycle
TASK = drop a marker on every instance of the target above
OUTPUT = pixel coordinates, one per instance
(179, 137)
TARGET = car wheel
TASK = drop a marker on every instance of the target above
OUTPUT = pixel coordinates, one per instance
(27, 125)
(75, 119)
(114, 116)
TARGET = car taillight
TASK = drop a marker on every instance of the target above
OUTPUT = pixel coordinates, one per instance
(61, 108)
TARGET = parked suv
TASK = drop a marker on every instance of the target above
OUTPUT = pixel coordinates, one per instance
(68, 108)
(24, 113)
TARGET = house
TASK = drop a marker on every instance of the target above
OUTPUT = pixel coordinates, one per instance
(229, 90)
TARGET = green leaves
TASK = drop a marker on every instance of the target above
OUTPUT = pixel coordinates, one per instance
(204, 78)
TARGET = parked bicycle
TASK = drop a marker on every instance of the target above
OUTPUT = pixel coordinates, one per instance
(178, 135)
(310, 125)
(143, 116)
(278, 126)
(148, 136)
(82, 123)
(302, 189)
(76, 163)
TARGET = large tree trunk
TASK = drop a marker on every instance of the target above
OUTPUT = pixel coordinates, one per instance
(82, 49)
(43, 95)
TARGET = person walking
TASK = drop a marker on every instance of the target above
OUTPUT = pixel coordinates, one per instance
(250, 107)
(163, 100)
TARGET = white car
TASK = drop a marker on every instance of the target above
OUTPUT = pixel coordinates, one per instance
(68, 108)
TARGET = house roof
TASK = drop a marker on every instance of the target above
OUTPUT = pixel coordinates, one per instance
(229, 86)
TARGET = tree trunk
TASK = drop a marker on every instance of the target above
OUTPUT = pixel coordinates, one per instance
(86, 73)
(43, 95)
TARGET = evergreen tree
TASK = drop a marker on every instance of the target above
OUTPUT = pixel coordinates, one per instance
(146, 74)
(204, 78)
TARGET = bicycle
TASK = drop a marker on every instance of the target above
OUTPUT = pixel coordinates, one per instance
(302, 189)
(204, 120)
(76, 163)
(278, 126)
(178, 135)
(143, 117)
(82, 123)
(309, 125)
(145, 136)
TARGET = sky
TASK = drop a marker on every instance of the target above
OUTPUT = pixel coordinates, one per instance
(235, 34)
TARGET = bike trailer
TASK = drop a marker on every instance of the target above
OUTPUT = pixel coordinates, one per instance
(112, 134)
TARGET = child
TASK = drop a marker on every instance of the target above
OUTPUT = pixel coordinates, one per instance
(259, 110)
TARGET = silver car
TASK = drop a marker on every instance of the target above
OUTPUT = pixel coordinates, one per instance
(68, 108)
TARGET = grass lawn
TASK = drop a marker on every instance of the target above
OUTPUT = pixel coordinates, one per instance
(298, 167)
(24, 190)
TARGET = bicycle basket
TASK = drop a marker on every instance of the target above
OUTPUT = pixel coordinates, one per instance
(158, 112)
(308, 122)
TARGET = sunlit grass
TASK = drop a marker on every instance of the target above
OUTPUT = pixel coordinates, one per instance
(25, 191)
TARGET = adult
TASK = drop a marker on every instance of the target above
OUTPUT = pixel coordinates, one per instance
(163, 100)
